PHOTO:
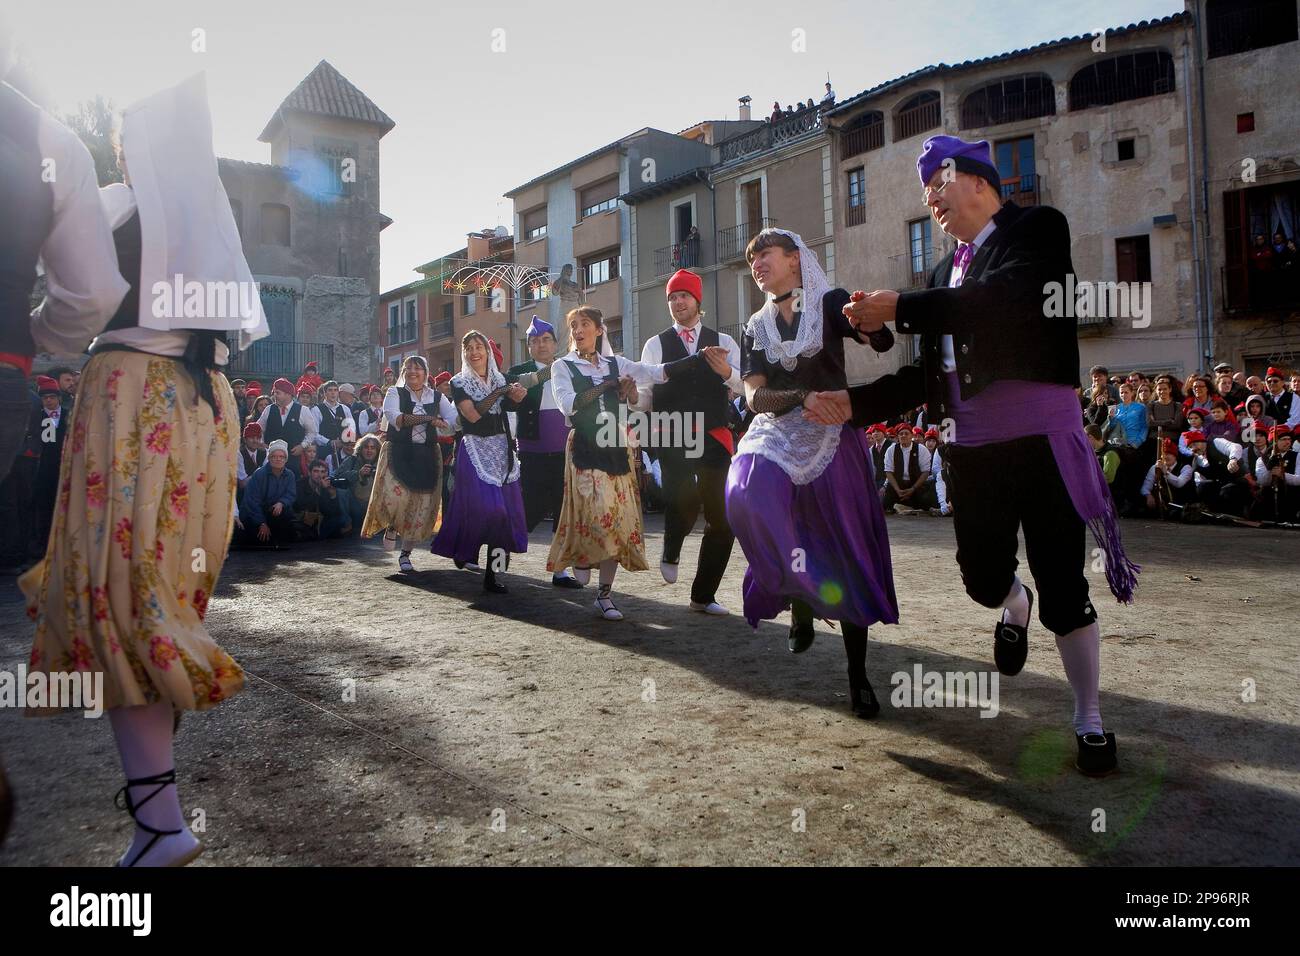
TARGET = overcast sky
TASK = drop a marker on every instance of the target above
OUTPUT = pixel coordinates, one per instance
(473, 123)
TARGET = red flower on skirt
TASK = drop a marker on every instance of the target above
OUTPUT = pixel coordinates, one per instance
(162, 651)
(122, 535)
(180, 499)
(99, 603)
(201, 602)
(111, 384)
(158, 551)
(81, 657)
(96, 490)
(160, 438)
(78, 437)
(607, 520)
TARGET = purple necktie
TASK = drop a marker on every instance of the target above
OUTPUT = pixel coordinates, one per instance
(961, 259)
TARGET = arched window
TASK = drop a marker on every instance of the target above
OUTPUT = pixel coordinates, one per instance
(275, 224)
(1130, 76)
(1009, 100)
(1235, 26)
(917, 115)
(865, 133)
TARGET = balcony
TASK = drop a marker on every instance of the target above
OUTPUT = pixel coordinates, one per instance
(732, 242)
(1023, 190)
(771, 135)
(680, 255)
(1093, 324)
(267, 360)
(855, 214)
(912, 270)
(863, 139)
(440, 329)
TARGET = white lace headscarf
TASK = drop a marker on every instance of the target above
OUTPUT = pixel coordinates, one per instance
(762, 326)
(474, 386)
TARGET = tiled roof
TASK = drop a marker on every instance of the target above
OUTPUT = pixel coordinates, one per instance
(938, 68)
(327, 92)
(572, 163)
(244, 165)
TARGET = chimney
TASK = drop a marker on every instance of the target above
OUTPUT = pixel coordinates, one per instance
(744, 108)
(478, 246)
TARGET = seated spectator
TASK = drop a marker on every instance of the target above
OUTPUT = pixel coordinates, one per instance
(260, 402)
(252, 455)
(306, 458)
(1107, 456)
(1221, 423)
(1255, 385)
(1227, 387)
(368, 421)
(1145, 393)
(318, 511)
(1100, 376)
(359, 474)
(1253, 408)
(267, 509)
(1258, 448)
(1165, 412)
(339, 460)
(1098, 410)
(1278, 478)
(1195, 423)
(907, 466)
(1169, 481)
(1220, 482)
(1130, 419)
(880, 443)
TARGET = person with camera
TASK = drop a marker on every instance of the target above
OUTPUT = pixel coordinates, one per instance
(318, 511)
(1277, 476)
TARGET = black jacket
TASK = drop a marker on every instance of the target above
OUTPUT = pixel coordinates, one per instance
(997, 318)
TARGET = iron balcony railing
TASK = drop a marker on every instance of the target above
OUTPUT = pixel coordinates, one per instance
(732, 242)
(267, 360)
(911, 270)
(680, 255)
(771, 134)
(440, 329)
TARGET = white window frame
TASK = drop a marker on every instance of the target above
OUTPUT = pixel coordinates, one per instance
(673, 238)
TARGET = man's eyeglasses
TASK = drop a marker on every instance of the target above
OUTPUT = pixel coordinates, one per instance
(931, 191)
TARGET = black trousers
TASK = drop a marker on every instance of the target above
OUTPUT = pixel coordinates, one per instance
(541, 475)
(923, 497)
(17, 525)
(999, 489)
(689, 486)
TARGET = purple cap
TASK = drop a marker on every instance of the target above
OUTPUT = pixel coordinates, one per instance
(975, 158)
(538, 327)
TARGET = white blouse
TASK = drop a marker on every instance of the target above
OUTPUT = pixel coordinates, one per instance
(428, 402)
(562, 384)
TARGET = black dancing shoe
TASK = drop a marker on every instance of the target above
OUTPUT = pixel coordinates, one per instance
(1011, 643)
(1096, 755)
(801, 636)
(862, 698)
(491, 585)
(564, 581)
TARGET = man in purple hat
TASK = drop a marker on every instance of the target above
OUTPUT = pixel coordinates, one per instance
(999, 362)
(542, 434)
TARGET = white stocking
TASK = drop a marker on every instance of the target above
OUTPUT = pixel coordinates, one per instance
(1081, 655)
(144, 742)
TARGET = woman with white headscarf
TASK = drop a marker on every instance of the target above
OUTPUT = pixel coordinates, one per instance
(487, 505)
(147, 483)
(600, 519)
(408, 479)
(800, 495)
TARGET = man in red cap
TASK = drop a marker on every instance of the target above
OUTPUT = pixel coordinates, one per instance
(1283, 406)
(447, 442)
(694, 477)
(880, 443)
(252, 455)
(1278, 479)
(907, 468)
(288, 421)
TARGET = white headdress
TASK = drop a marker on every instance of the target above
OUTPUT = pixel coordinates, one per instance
(187, 229)
(474, 386)
(762, 326)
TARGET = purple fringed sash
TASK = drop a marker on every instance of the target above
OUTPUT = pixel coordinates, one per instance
(1008, 410)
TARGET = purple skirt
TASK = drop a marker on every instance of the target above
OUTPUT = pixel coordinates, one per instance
(823, 543)
(480, 514)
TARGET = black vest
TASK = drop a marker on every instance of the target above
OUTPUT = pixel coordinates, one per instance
(878, 459)
(1218, 465)
(331, 423)
(913, 464)
(700, 389)
(127, 242)
(254, 461)
(28, 205)
(291, 432)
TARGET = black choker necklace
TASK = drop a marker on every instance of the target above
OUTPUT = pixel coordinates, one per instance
(782, 298)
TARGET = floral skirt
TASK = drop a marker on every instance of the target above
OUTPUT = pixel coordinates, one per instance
(412, 514)
(600, 518)
(141, 530)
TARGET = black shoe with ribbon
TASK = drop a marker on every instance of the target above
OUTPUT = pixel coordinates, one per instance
(1011, 642)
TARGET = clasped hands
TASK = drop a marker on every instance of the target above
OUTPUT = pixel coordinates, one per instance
(867, 312)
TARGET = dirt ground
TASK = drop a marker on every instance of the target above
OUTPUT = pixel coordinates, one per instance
(521, 729)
